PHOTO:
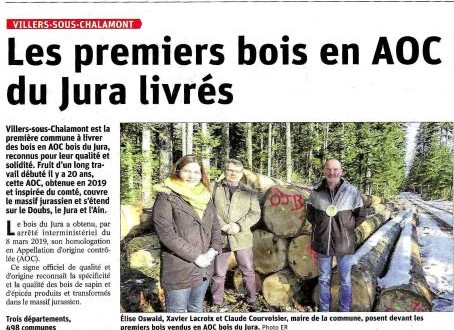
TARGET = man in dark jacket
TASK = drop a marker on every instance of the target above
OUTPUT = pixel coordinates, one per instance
(335, 209)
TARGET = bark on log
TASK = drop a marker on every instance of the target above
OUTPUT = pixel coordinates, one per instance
(129, 218)
(369, 226)
(368, 264)
(303, 190)
(144, 255)
(284, 211)
(363, 290)
(404, 288)
(238, 281)
(376, 200)
(302, 258)
(367, 200)
(270, 252)
(259, 182)
(279, 289)
(379, 208)
(232, 261)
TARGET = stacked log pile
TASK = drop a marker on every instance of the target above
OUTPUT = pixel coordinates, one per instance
(404, 287)
(284, 214)
(144, 255)
(368, 264)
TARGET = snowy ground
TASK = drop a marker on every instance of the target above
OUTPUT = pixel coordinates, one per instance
(436, 249)
(442, 204)
(440, 209)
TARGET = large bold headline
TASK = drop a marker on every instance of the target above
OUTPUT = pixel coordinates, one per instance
(152, 90)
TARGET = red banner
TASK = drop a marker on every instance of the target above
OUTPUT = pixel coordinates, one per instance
(70, 24)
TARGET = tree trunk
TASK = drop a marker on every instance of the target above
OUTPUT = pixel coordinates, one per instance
(404, 288)
(128, 171)
(369, 226)
(261, 153)
(249, 145)
(146, 165)
(302, 259)
(144, 255)
(226, 142)
(270, 148)
(183, 139)
(325, 142)
(260, 183)
(288, 153)
(284, 211)
(280, 288)
(189, 138)
(129, 218)
(382, 209)
(270, 252)
(165, 152)
(309, 155)
(367, 200)
(206, 152)
(369, 263)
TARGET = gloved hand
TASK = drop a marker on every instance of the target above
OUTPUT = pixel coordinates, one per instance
(234, 228)
(202, 260)
(225, 228)
(211, 253)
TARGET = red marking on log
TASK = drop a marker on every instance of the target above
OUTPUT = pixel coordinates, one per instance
(312, 253)
(280, 198)
(417, 307)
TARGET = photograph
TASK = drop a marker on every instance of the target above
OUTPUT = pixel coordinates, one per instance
(286, 217)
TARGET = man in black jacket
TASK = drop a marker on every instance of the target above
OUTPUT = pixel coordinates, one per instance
(335, 209)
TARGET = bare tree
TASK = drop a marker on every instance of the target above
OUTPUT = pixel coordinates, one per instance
(189, 138)
(288, 151)
(249, 144)
(270, 148)
(146, 164)
(206, 151)
(165, 151)
(226, 141)
(183, 139)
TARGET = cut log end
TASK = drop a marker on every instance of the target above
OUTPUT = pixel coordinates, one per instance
(302, 258)
(280, 288)
(270, 252)
(284, 211)
(399, 300)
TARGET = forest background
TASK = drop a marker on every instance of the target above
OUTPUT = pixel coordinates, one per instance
(372, 154)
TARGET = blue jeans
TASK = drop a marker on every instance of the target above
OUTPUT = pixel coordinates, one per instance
(186, 300)
(324, 279)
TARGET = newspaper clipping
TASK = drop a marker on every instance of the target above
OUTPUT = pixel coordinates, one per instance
(226, 165)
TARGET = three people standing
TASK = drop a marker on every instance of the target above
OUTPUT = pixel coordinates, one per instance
(189, 221)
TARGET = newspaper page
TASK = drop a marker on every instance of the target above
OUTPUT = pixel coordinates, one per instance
(101, 98)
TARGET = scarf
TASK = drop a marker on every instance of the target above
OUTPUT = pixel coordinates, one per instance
(198, 196)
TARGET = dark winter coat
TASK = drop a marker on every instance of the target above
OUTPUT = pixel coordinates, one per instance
(184, 236)
(335, 235)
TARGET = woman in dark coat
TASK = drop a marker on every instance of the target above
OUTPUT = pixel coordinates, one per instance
(186, 223)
